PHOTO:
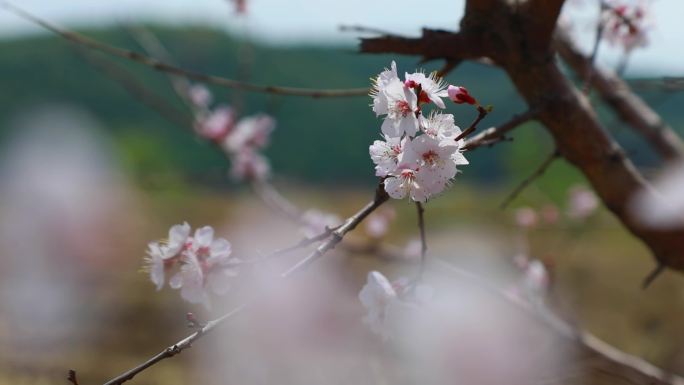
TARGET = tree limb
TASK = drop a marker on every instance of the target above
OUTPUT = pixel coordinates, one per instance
(617, 94)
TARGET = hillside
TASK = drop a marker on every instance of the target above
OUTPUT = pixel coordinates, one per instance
(316, 140)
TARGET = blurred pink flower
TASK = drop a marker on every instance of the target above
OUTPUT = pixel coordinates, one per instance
(582, 202)
(526, 217)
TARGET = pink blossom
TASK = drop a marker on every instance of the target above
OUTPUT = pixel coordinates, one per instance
(378, 223)
(582, 202)
(249, 165)
(526, 217)
(200, 95)
(217, 124)
(460, 95)
(251, 132)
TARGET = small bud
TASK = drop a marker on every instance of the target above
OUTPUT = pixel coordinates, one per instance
(460, 95)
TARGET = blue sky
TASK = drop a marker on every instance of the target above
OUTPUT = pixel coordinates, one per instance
(317, 21)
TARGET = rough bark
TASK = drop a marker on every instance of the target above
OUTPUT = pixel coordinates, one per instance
(518, 39)
(617, 94)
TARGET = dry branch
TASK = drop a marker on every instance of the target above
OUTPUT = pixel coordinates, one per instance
(617, 94)
(511, 36)
(158, 65)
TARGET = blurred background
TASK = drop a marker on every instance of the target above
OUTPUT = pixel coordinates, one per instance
(90, 174)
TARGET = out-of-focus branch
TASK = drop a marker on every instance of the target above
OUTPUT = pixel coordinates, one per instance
(603, 357)
(158, 65)
(339, 233)
(138, 90)
(518, 48)
(539, 171)
(618, 95)
(493, 135)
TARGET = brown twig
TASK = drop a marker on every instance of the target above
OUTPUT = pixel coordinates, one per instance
(364, 29)
(618, 95)
(158, 65)
(481, 113)
(526, 182)
(495, 134)
(335, 238)
(659, 269)
(600, 26)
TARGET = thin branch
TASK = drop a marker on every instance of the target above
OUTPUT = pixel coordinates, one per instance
(337, 235)
(615, 362)
(168, 68)
(481, 113)
(526, 182)
(176, 348)
(495, 134)
(660, 268)
(138, 90)
(618, 95)
(600, 26)
(154, 47)
(364, 29)
(304, 242)
(423, 240)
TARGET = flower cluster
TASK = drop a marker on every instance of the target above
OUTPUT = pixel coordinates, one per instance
(200, 263)
(419, 155)
(625, 26)
(241, 139)
(382, 299)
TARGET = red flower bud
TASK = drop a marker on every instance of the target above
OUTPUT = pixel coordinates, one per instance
(460, 95)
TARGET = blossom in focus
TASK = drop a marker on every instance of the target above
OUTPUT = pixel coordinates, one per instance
(664, 207)
(385, 154)
(582, 202)
(419, 156)
(403, 114)
(317, 222)
(405, 181)
(441, 126)
(248, 164)
(432, 88)
(380, 102)
(203, 263)
(460, 95)
(216, 124)
(436, 165)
